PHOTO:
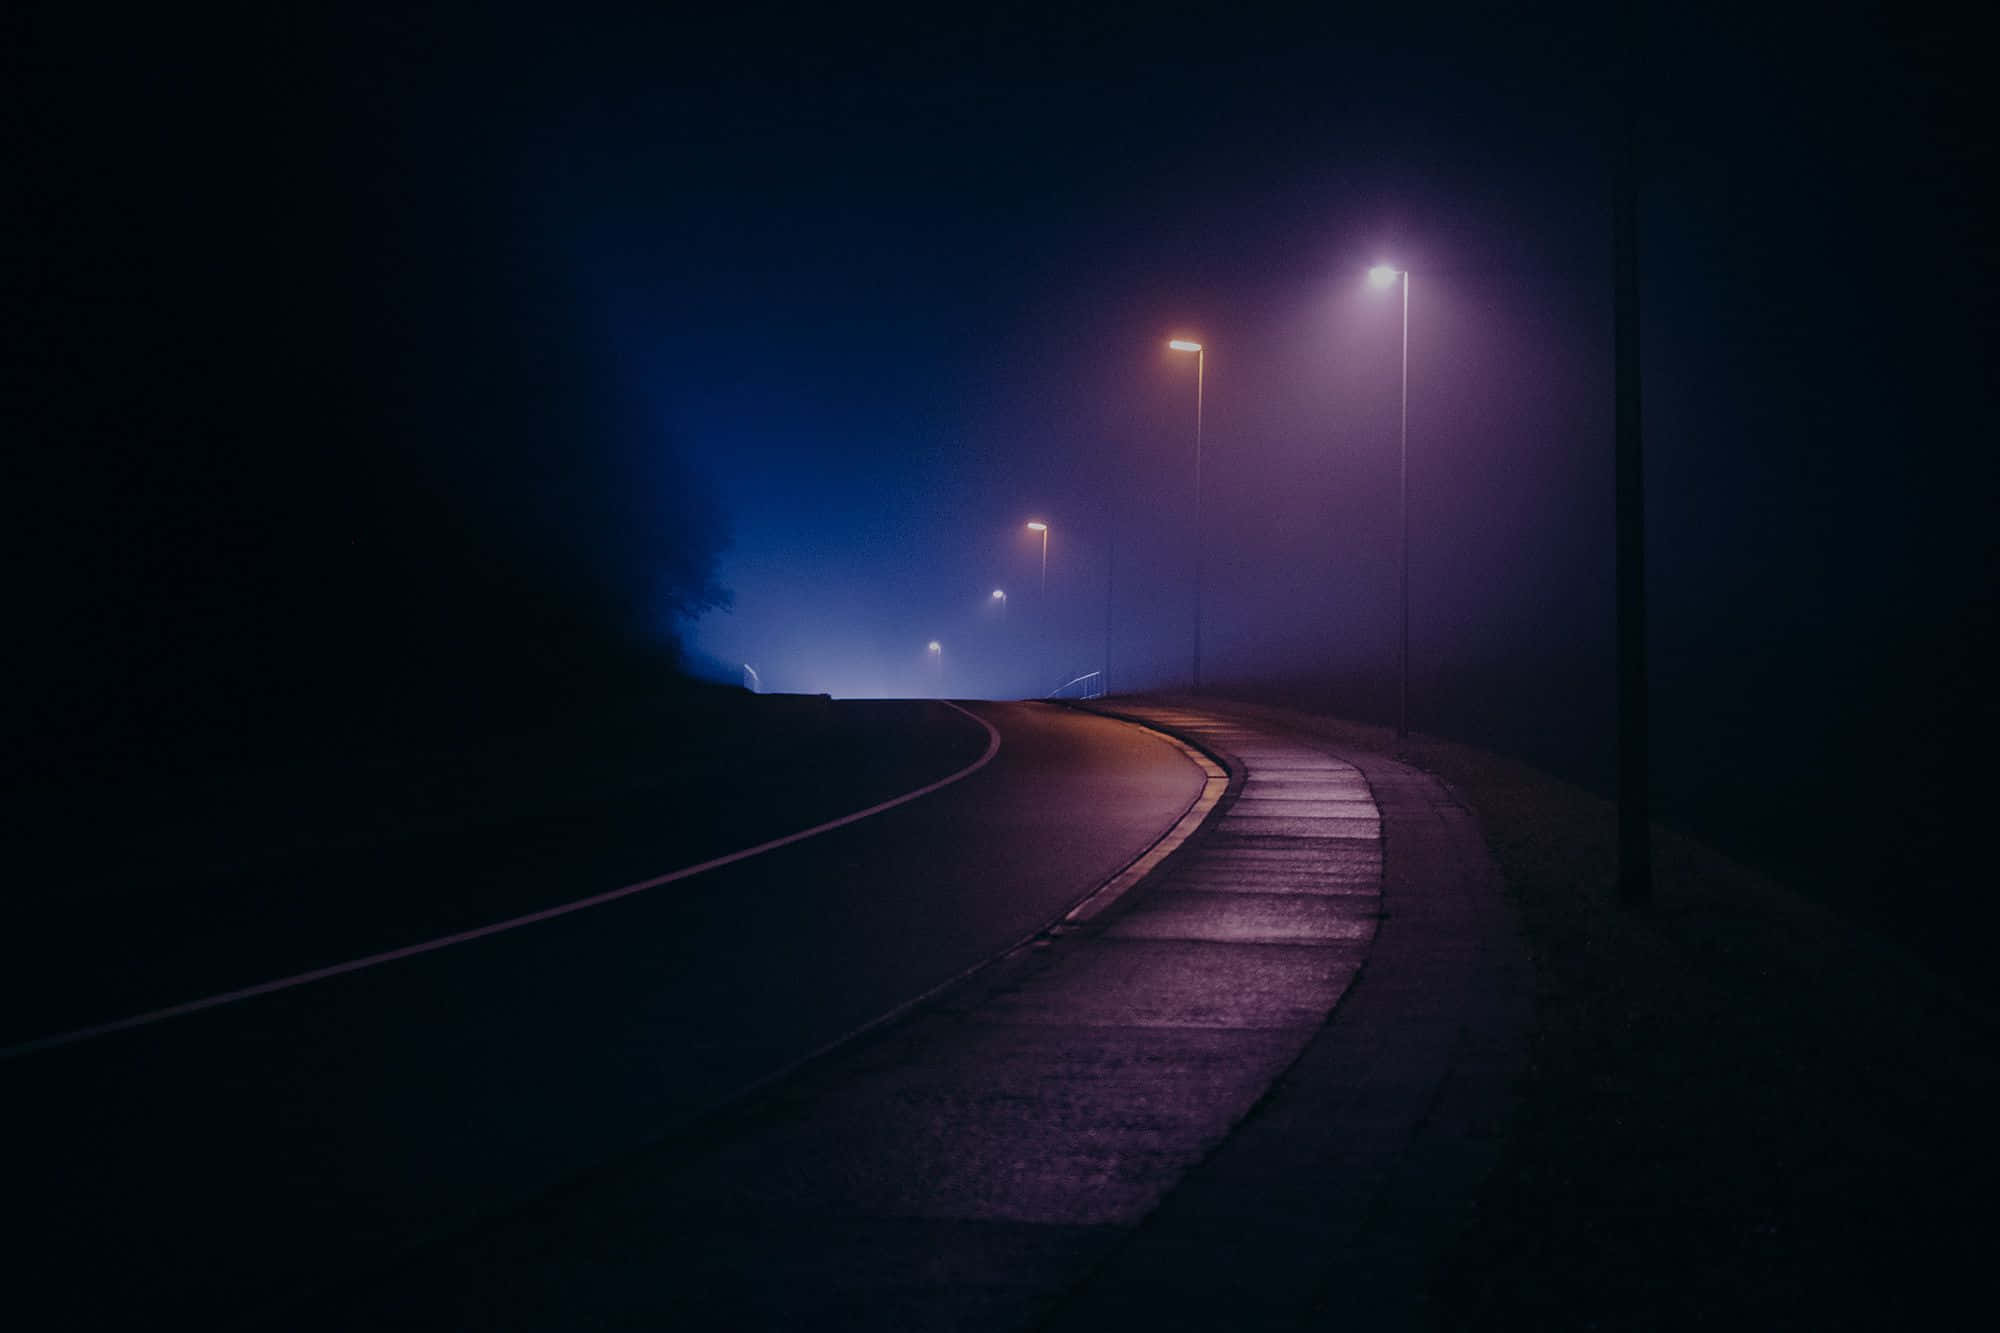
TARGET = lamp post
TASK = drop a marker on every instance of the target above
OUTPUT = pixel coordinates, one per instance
(1635, 829)
(1043, 528)
(937, 656)
(1382, 276)
(1200, 370)
(1000, 596)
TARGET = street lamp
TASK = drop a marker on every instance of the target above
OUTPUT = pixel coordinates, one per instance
(1384, 276)
(1200, 356)
(937, 656)
(1000, 596)
(1043, 528)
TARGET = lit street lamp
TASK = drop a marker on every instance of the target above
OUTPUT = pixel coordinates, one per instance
(1384, 276)
(1043, 528)
(1000, 596)
(1200, 357)
(937, 656)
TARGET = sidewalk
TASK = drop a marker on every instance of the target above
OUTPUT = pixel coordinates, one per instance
(1146, 1114)
(1329, 1204)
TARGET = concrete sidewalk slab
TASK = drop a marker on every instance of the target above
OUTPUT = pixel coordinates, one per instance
(1240, 917)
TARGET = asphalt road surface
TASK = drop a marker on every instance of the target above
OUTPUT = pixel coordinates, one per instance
(217, 1166)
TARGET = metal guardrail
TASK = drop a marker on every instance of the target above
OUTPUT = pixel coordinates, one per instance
(1092, 690)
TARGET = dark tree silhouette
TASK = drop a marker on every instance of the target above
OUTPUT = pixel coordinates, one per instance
(309, 435)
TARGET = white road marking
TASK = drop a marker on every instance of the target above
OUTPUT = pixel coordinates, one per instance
(514, 923)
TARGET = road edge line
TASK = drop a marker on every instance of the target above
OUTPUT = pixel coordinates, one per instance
(187, 1007)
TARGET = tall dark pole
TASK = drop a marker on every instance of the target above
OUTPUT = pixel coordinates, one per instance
(1200, 360)
(1635, 843)
(1403, 450)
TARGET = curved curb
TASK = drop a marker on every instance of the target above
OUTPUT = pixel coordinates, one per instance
(1216, 783)
(1135, 871)
(1120, 883)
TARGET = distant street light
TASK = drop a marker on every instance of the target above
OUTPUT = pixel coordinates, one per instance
(1000, 596)
(1182, 345)
(1043, 528)
(1384, 276)
(937, 656)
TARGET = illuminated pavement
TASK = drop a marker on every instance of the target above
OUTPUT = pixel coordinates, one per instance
(214, 1167)
(1146, 1117)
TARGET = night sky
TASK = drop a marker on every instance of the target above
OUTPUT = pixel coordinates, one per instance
(462, 360)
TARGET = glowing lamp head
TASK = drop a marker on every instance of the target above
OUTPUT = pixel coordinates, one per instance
(936, 646)
(1183, 345)
(999, 594)
(1383, 275)
(1038, 527)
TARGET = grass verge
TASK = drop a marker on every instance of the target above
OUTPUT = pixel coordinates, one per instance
(1741, 1111)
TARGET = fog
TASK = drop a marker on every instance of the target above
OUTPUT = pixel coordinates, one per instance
(380, 361)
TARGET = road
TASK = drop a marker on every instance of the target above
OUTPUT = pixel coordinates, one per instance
(222, 1163)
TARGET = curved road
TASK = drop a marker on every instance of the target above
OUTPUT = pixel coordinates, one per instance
(219, 1163)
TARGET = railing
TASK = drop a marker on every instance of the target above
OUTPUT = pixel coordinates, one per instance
(1092, 683)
